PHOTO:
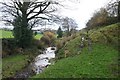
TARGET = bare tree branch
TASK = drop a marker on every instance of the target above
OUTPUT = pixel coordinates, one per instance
(31, 10)
(39, 12)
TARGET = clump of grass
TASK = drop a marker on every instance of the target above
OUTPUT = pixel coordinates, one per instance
(16, 62)
(72, 47)
(107, 35)
(11, 64)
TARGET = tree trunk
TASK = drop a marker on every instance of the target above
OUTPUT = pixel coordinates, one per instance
(26, 36)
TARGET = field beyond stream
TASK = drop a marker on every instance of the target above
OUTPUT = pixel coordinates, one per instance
(9, 34)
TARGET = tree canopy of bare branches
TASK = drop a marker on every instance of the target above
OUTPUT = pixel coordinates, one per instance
(25, 14)
(69, 24)
(28, 11)
(113, 8)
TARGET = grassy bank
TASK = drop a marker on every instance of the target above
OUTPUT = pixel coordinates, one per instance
(12, 64)
(16, 62)
(100, 63)
(106, 35)
(72, 47)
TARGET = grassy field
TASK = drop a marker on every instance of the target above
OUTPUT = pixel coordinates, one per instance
(100, 63)
(9, 34)
(6, 34)
(38, 36)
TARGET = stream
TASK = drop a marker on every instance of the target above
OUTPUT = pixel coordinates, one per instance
(41, 62)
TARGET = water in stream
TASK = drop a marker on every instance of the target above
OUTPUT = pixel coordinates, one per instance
(40, 63)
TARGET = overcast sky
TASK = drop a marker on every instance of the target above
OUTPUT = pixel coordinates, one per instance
(80, 11)
(84, 10)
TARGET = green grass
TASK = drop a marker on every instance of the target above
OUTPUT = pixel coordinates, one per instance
(9, 34)
(96, 64)
(13, 63)
(110, 30)
(18, 61)
(106, 35)
(38, 36)
(6, 34)
(72, 46)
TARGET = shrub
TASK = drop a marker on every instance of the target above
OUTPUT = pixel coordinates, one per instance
(35, 33)
(59, 44)
(59, 32)
(45, 39)
(22, 34)
(48, 39)
(8, 46)
(41, 45)
(74, 36)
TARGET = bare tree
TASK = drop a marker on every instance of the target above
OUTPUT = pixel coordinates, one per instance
(24, 15)
(98, 19)
(114, 8)
(30, 12)
(69, 24)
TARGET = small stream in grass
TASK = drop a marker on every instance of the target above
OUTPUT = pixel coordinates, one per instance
(41, 62)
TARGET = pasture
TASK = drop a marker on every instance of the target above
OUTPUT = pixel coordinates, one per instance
(6, 34)
(9, 34)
